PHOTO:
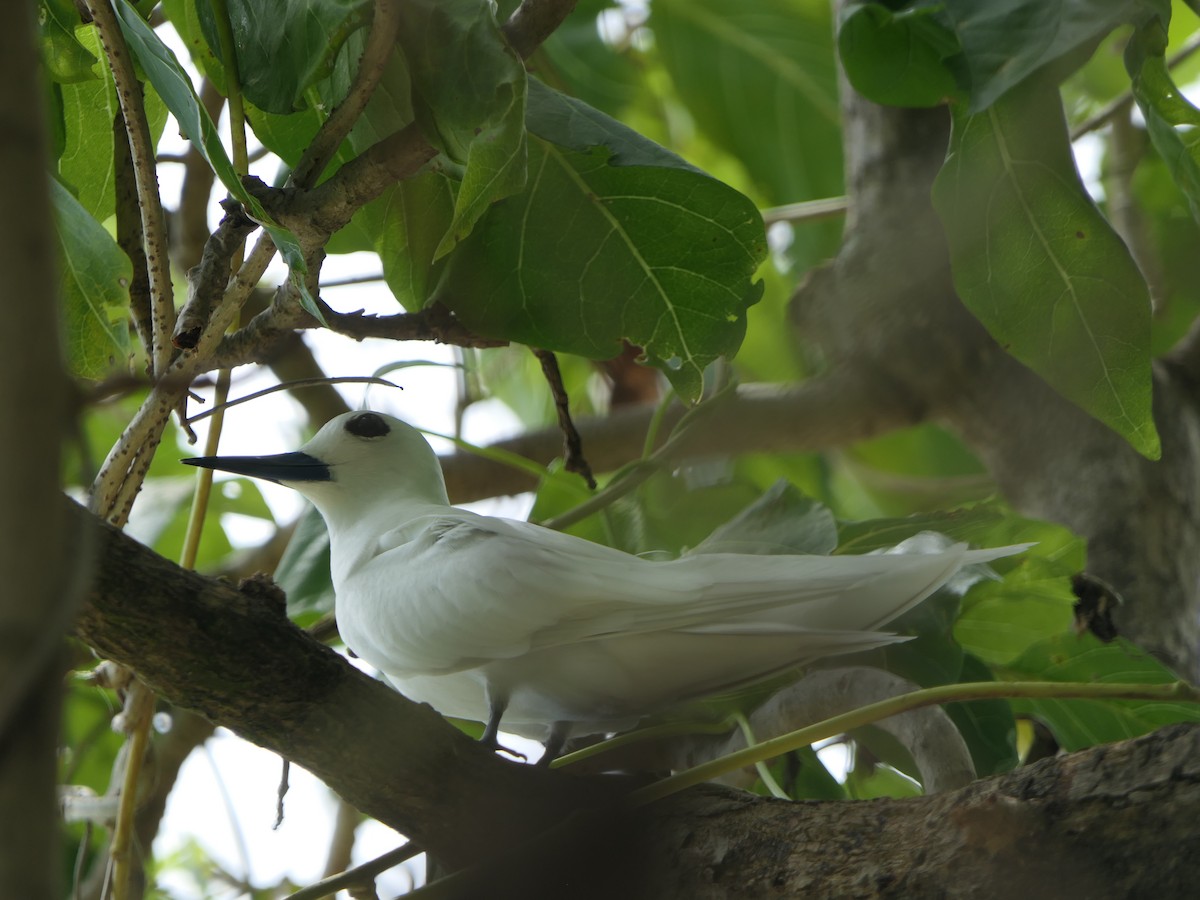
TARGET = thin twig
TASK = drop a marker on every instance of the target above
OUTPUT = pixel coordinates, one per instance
(380, 41)
(573, 458)
(351, 280)
(130, 233)
(208, 281)
(139, 710)
(358, 875)
(807, 211)
(289, 386)
(281, 791)
(639, 472)
(141, 146)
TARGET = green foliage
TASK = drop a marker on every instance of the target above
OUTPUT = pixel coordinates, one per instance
(173, 85)
(1072, 305)
(95, 289)
(1006, 41)
(66, 58)
(898, 57)
(1170, 118)
(1083, 723)
(283, 47)
(646, 248)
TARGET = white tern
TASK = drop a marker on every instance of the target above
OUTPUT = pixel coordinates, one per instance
(485, 618)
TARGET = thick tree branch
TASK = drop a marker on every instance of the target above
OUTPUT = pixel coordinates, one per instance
(835, 410)
(38, 598)
(1115, 821)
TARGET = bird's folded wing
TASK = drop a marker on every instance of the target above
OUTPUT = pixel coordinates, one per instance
(484, 589)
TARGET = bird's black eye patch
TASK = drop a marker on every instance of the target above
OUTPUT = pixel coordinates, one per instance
(367, 425)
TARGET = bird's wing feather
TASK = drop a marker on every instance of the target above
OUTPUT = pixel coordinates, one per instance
(496, 589)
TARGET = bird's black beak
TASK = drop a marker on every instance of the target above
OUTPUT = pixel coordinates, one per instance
(281, 468)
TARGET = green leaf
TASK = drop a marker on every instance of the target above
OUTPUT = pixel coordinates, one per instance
(469, 97)
(1083, 723)
(1005, 41)
(282, 46)
(66, 59)
(303, 570)
(933, 657)
(782, 520)
(89, 109)
(583, 64)
(600, 248)
(172, 83)
(95, 289)
(898, 58)
(1170, 118)
(1002, 619)
(760, 79)
(409, 222)
(1040, 267)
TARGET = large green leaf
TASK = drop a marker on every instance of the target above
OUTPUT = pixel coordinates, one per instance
(65, 57)
(759, 77)
(614, 238)
(933, 657)
(1083, 723)
(1170, 118)
(95, 289)
(303, 570)
(582, 63)
(1040, 267)
(282, 46)
(89, 108)
(409, 222)
(469, 96)
(782, 520)
(592, 254)
(173, 85)
(1001, 619)
(898, 57)
(1005, 41)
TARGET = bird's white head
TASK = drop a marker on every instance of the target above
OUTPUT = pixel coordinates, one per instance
(357, 462)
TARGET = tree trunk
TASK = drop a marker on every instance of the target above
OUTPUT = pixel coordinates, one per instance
(35, 600)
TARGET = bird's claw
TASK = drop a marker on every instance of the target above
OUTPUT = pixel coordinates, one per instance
(495, 746)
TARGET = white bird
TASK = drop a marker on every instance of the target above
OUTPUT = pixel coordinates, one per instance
(485, 618)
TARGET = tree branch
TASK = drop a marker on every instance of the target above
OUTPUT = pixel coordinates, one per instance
(534, 21)
(835, 410)
(38, 598)
(380, 40)
(141, 146)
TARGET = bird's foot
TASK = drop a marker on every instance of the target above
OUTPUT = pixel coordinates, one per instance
(491, 742)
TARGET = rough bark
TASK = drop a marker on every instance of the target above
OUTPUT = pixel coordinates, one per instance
(34, 601)
(1115, 821)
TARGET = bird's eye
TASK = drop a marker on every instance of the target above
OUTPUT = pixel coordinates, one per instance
(367, 425)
